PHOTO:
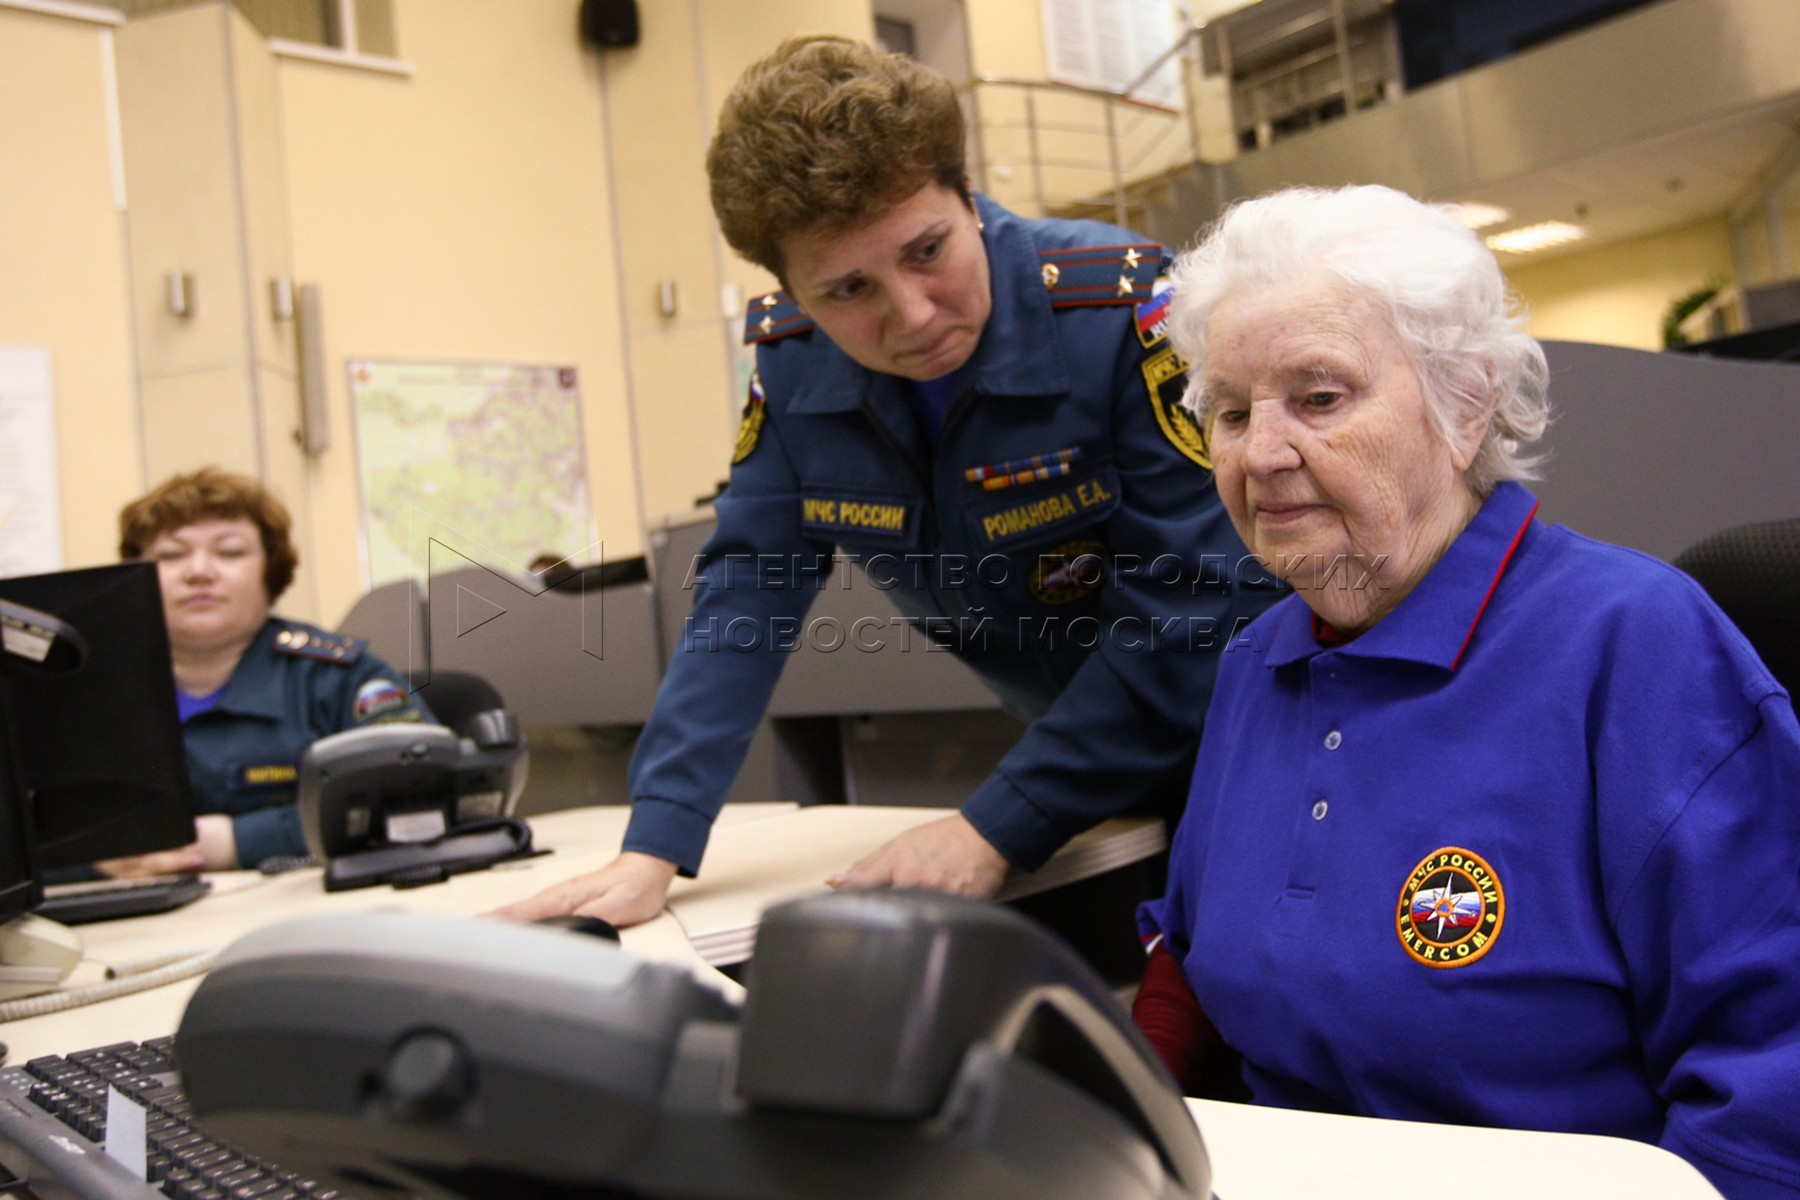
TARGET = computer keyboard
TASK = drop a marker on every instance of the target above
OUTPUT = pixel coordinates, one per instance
(53, 1133)
(108, 899)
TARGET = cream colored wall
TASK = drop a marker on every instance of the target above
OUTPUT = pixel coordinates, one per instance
(62, 265)
(1617, 294)
(461, 214)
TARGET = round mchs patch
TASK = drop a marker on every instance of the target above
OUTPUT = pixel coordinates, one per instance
(1451, 908)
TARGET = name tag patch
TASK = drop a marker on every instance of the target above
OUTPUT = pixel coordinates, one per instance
(1079, 503)
(269, 775)
(854, 516)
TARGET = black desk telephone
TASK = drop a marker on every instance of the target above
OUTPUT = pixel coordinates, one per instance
(413, 804)
(893, 1045)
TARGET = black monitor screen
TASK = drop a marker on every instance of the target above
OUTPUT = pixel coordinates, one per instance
(19, 889)
(99, 748)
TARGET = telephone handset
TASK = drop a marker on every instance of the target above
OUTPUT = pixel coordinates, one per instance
(893, 1044)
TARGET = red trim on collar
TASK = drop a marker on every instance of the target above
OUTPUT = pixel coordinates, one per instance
(1505, 561)
(1327, 636)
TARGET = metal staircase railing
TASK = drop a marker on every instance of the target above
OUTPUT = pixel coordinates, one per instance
(1084, 151)
(1282, 66)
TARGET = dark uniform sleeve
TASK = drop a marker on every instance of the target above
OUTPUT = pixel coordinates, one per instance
(1121, 736)
(339, 696)
(756, 578)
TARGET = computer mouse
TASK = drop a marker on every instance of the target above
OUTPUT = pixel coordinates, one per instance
(574, 923)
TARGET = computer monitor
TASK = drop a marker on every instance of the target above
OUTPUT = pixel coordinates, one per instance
(39, 642)
(20, 889)
(98, 747)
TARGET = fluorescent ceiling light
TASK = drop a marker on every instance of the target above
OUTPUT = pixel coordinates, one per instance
(1478, 216)
(1527, 238)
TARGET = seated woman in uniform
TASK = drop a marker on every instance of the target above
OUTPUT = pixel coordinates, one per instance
(1493, 824)
(253, 690)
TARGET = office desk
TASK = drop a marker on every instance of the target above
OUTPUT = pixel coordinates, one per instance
(1278, 1154)
(790, 855)
(760, 854)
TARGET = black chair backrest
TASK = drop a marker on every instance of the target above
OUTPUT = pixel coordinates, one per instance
(456, 696)
(1753, 573)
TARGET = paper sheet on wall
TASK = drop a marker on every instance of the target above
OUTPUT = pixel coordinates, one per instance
(30, 512)
(464, 463)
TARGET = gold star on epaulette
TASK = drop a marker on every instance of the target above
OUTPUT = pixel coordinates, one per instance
(1124, 285)
(769, 301)
(1052, 273)
(1132, 257)
(766, 324)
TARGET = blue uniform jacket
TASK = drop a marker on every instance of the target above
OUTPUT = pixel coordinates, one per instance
(1079, 558)
(1525, 854)
(294, 685)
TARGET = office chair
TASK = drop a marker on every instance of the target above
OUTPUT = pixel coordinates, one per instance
(1753, 573)
(455, 697)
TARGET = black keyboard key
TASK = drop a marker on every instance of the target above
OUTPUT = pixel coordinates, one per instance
(48, 1068)
(214, 1161)
(178, 1140)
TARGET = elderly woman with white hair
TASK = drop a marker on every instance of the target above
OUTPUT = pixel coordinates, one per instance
(1493, 824)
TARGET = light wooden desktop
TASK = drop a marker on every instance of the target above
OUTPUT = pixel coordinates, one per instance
(764, 853)
(759, 854)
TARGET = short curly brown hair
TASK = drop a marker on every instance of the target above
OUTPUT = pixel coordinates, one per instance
(207, 493)
(826, 133)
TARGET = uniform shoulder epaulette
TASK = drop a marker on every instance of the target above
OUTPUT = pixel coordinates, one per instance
(301, 641)
(774, 316)
(1084, 276)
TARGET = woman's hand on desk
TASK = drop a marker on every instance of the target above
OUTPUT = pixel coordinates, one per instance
(214, 849)
(629, 890)
(947, 855)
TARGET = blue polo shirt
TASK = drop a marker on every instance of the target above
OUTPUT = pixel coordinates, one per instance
(1525, 854)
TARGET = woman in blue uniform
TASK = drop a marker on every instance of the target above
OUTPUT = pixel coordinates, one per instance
(1493, 824)
(254, 691)
(981, 409)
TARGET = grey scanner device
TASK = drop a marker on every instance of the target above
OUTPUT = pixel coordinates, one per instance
(894, 1045)
(411, 804)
